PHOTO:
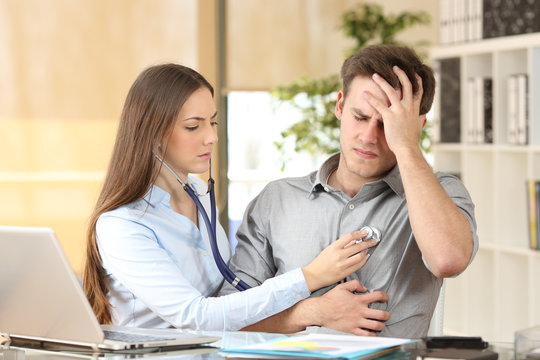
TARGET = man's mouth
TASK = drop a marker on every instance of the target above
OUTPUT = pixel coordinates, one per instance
(365, 154)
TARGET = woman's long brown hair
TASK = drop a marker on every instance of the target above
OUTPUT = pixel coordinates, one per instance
(150, 111)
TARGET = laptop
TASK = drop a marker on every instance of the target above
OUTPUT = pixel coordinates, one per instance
(41, 299)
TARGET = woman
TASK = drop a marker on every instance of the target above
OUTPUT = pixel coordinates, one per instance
(148, 260)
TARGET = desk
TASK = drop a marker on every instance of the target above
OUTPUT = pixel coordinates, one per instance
(229, 339)
(210, 352)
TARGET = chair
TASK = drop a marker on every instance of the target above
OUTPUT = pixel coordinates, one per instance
(436, 324)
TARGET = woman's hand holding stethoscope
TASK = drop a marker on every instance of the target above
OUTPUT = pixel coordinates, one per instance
(341, 258)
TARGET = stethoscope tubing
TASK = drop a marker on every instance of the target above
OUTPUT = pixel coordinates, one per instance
(211, 227)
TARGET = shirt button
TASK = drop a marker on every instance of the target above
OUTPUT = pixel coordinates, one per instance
(204, 252)
(326, 188)
(298, 296)
(351, 206)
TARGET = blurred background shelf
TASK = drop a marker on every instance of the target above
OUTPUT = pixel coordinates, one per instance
(500, 292)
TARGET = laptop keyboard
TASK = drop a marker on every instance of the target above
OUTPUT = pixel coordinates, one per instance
(132, 337)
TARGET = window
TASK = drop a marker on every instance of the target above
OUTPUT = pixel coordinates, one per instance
(254, 122)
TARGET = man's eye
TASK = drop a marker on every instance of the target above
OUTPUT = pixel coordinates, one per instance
(360, 118)
(214, 123)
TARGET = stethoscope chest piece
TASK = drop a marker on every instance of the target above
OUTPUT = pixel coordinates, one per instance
(372, 233)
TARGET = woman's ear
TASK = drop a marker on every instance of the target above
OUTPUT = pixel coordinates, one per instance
(158, 149)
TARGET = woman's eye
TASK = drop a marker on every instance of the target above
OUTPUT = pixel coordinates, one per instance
(191, 128)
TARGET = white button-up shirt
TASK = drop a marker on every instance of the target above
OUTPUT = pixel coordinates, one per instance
(161, 271)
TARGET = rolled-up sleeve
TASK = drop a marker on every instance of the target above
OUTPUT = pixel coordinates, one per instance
(456, 190)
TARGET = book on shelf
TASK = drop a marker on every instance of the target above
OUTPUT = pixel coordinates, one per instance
(522, 109)
(485, 108)
(435, 118)
(511, 114)
(477, 15)
(517, 109)
(536, 243)
(533, 212)
(444, 21)
(479, 119)
(460, 21)
(510, 17)
(449, 100)
(471, 20)
(470, 133)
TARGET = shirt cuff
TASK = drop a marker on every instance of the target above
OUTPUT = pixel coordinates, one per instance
(301, 289)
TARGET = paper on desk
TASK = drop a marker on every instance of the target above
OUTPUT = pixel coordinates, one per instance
(320, 346)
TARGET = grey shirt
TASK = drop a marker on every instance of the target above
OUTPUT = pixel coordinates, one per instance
(293, 219)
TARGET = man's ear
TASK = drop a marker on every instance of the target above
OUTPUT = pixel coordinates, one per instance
(339, 105)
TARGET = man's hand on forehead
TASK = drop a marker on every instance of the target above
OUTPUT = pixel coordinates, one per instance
(402, 121)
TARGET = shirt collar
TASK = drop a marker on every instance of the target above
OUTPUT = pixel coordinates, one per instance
(319, 179)
(156, 195)
(393, 179)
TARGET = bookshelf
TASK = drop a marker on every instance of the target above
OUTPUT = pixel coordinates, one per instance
(500, 292)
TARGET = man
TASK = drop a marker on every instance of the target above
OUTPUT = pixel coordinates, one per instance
(380, 178)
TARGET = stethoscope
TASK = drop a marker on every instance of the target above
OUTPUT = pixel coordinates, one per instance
(211, 227)
(372, 233)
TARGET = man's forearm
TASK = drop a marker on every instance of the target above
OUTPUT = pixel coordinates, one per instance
(441, 230)
(339, 309)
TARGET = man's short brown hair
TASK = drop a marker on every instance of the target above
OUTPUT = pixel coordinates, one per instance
(380, 59)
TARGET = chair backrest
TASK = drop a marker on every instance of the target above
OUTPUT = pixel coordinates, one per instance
(436, 324)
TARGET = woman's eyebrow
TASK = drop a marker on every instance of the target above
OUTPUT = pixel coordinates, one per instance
(200, 118)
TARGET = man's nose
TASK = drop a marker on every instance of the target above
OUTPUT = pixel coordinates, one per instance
(371, 132)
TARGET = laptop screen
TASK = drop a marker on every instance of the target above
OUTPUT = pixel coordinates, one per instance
(40, 296)
(42, 299)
